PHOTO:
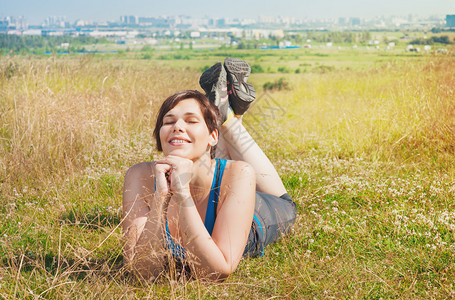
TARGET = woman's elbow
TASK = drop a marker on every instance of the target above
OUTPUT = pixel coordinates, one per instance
(224, 275)
(213, 276)
(220, 274)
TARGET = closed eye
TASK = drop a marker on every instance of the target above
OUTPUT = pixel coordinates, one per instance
(169, 120)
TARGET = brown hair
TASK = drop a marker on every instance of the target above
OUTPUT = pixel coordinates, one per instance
(209, 111)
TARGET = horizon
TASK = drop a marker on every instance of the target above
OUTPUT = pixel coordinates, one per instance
(35, 13)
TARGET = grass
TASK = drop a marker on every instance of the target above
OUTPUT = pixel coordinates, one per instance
(366, 152)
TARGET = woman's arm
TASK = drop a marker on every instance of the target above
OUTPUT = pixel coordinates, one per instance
(213, 257)
(217, 256)
(144, 211)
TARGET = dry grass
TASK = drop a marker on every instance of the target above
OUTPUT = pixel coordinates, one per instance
(368, 156)
(55, 112)
(401, 111)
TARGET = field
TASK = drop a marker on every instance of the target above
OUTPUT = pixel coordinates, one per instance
(364, 141)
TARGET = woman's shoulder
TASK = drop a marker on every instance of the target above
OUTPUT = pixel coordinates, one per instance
(239, 178)
(142, 168)
(239, 169)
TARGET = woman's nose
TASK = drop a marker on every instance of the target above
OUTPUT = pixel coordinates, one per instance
(179, 125)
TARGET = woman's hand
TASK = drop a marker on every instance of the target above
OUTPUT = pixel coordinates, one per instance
(173, 174)
(162, 172)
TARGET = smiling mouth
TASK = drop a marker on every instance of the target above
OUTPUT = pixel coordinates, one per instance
(179, 141)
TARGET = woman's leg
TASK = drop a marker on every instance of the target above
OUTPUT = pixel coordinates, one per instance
(241, 146)
(274, 210)
(234, 140)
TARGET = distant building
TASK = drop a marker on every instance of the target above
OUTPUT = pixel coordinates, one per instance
(342, 21)
(450, 21)
(55, 22)
(3, 26)
(266, 19)
(130, 20)
(146, 21)
(355, 21)
(13, 23)
(221, 22)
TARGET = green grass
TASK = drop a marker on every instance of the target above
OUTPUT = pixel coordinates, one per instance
(365, 148)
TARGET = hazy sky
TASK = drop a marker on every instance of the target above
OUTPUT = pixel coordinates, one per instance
(36, 11)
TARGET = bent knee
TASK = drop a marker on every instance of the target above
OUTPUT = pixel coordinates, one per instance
(140, 170)
(139, 180)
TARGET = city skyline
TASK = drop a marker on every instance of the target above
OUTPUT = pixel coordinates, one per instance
(36, 12)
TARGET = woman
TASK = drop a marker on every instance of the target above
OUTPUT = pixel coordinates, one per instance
(204, 212)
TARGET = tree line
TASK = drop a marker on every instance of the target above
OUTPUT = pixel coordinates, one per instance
(299, 38)
(32, 44)
(443, 39)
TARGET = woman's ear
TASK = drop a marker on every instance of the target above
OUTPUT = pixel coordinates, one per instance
(213, 140)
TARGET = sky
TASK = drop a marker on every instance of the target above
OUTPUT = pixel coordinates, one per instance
(35, 11)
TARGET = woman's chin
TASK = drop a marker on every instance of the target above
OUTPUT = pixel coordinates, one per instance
(184, 154)
(179, 153)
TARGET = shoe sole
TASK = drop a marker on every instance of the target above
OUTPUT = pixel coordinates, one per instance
(212, 81)
(237, 72)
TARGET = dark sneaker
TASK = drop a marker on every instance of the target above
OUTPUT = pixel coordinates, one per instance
(241, 93)
(213, 82)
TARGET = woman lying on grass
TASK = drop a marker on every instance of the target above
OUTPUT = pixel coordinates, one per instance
(205, 213)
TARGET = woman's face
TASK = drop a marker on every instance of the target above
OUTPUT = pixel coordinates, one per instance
(184, 132)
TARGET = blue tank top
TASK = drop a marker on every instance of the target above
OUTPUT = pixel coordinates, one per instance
(210, 215)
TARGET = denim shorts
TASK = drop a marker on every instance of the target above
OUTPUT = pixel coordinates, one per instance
(273, 218)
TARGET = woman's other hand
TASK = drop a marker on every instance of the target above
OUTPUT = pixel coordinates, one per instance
(173, 174)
